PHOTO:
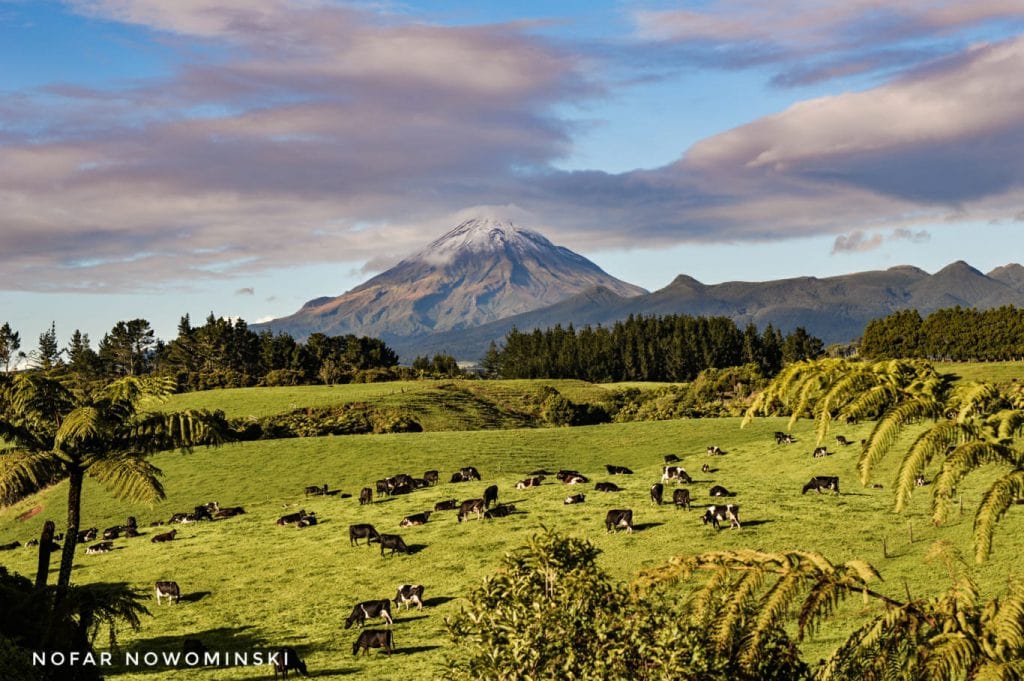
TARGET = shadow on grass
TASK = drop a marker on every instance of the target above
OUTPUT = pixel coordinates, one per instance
(755, 523)
(414, 649)
(640, 527)
(411, 618)
(439, 600)
(194, 597)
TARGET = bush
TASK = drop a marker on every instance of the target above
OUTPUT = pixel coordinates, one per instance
(283, 377)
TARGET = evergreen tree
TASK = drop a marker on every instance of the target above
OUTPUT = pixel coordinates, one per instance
(10, 342)
(47, 354)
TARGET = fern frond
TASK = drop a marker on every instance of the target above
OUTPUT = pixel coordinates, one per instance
(994, 505)
(928, 445)
(24, 472)
(81, 425)
(128, 477)
(888, 429)
(961, 462)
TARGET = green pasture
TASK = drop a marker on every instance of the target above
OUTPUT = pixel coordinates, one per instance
(248, 582)
(996, 372)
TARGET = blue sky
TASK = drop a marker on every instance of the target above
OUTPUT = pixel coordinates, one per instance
(242, 157)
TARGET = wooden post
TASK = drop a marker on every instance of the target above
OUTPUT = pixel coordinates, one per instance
(885, 549)
(910, 529)
(961, 502)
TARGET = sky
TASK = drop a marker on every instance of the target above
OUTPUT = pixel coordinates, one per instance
(240, 157)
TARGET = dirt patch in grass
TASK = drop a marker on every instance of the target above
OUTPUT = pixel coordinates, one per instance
(30, 513)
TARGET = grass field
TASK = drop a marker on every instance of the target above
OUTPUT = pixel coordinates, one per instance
(997, 372)
(250, 583)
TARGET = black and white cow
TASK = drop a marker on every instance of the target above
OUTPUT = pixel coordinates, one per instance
(88, 535)
(719, 491)
(576, 480)
(719, 513)
(165, 537)
(365, 496)
(112, 532)
(820, 452)
(467, 473)
(657, 493)
(368, 610)
(291, 518)
(471, 506)
(362, 531)
(102, 547)
(490, 496)
(431, 477)
(705, 468)
(783, 438)
(285, 660)
(409, 595)
(500, 511)
(675, 473)
(374, 638)
(619, 518)
(681, 498)
(393, 542)
(449, 505)
(316, 491)
(617, 470)
(574, 499)
(607, 487)
(715, 450)
(530, 482)
(822, 482)
(919, 480)
(307, 520)
(415, 519)
(168, 590)
(565, 474)
(183, 518)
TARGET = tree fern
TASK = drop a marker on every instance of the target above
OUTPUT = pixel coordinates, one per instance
(994, 504)
(888, 429)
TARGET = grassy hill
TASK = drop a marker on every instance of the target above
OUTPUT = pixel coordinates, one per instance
(248, 582)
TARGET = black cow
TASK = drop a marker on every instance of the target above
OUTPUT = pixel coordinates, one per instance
(431, 477)
(783, 438)
(500, 511)
(465, 474)
(369, 609)
(383, 489)
(672, 458)
(820, 482)
(574, 499)
(285, 660)
(202, 513)
(607, 487)
(471, 506)
(719, 491)
(617, 518)
(229, 512)
(165, 537)
(112, 532)
(657, 493)
(449, 505)
(168, 590)
(409, 595)
(131, 532)
(365, 496)
(316, 491)
(87, 535)
(715, 450)
(842, 441)
(13, 545)
(393, 542)
(530, 482)
(820, 452)
(681, 498)
(415, 519)
(490, 496)
(307, 520)
(617, 470)
(564, 474)
(718, 513)
(291, 518)
(675, 473)
(362, 531)
(374, 638)
(102, 547)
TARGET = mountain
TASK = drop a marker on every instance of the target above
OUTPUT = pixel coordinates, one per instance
(1012, 275)
(481, 271)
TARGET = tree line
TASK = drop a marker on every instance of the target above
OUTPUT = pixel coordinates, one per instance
(669, 348)
(952, 334)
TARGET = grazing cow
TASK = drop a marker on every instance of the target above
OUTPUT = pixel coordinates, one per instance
(229, 512)
(821, 451)
(374, 638)
(706, 468)
(465, 474)
(316, 491)
(286, 659)
(409, 595)
(365, 496)
(112, 532)
(291, 518)
(168, 590)
(618, 518)
(362, 531)
(784, 438)
(681, 498)
(675, 473)
(449, 505)
(607, 487)
(87, 535)
(719, 491)
(383, 489)
(820, 482)
(13, 545)
(842, 441)
(369, 609)
(617, 470)
(165, 537)
(415, 519)
(102, 547)
(490, 496)
(500, 511)
(431, 477)
(657, 493)
(719, 513)
(715, 450)
(530, 482)
(471, 506)
(574, 499)
(393, 542)
(672, 458)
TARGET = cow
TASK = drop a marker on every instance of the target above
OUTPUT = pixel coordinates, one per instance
(449, 505)
(607, 487)
(490, 496)
(229, 512)
(574, 499)
(112, 532)
(13, 545)
(465, 474)
(374, 638)
(820, 452)
(165, 537)
(715, 450)
(842, 441)
(500, 511)
(529, 482)
(419, 483)
(657, 493)
(87, 535)
(564, 474)
(719, 491)
(365, 496)
(820, 482)
(183, 518)
(285, 660)
(202, 513)
(131, 524)
(383, 489)
(784, 438)
(369, 609)
(393, 542)
(102, 547)
(617, 470)
(718, 513)
(168, 590)
(619, 517)
(316, 491)
(362, 531)
(681, 498)
(291, 518)
(431, 477)
(919, 480)
(415, 519)
(409, 595)
(706, 468)
(306, 520)
(672, 458)
(675, 473)
(471, 506)
(576, 480)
